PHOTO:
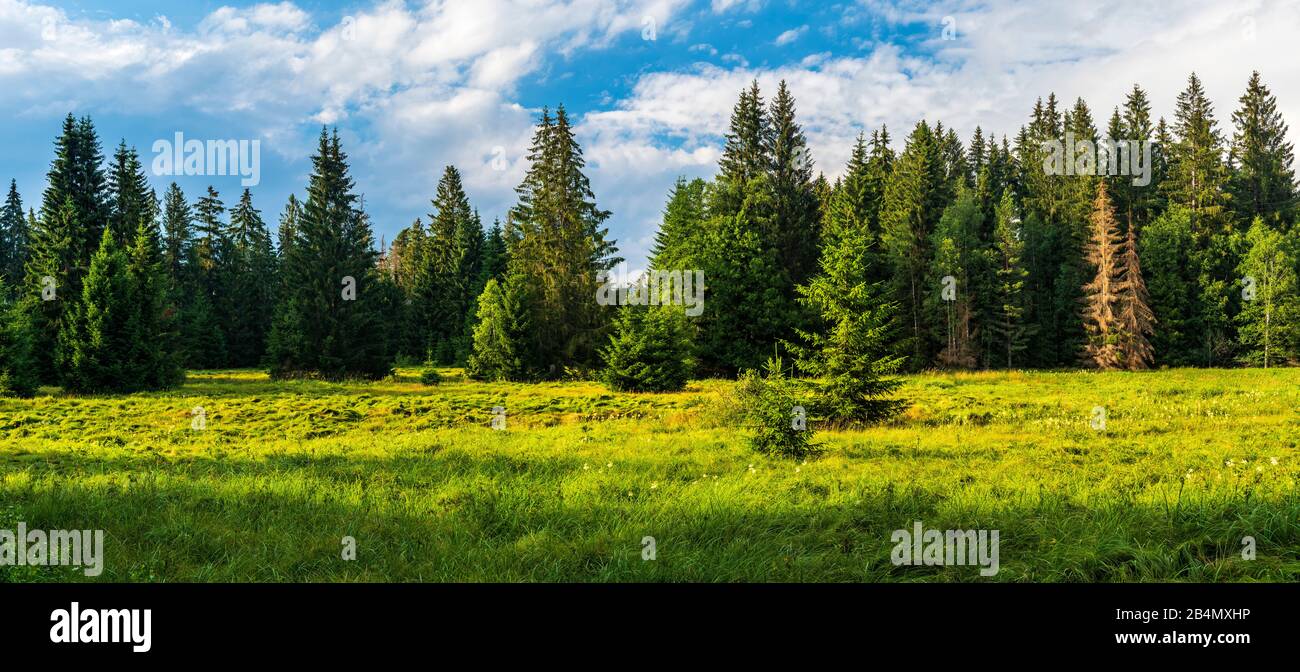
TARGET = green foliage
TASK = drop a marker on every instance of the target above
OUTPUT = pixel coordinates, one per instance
(913, 203)
(1270, 315)
(430, 377)
(154, 360)
(1166, 246)
(747, 310)
(17, 366)
(650, 350)
(249, 285)
(679, 239)
(776, 413)
(502, 324)
(99, 341)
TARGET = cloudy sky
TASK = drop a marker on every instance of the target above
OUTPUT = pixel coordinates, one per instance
(413, 86)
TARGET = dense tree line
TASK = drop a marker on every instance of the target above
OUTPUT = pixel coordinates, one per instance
(936, 253)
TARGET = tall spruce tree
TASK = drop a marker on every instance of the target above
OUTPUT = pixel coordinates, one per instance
(451, 259)
(74, 213)
(14, 237)
(1102, 294)
(796, 212)
(328, 318)
(178, 237)
(558, 245)
(1009, 317)
(1135, 320)
(913, 203)
(1263, 179)
(250, 285)
(128, 193)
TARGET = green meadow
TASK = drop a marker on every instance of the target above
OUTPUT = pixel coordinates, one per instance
(1188, 464)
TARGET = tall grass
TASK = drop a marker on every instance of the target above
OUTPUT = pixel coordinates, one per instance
(1189, 463)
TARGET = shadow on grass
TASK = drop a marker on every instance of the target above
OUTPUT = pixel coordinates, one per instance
(449, 515)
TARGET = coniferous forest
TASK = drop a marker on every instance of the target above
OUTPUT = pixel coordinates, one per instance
(929, 251)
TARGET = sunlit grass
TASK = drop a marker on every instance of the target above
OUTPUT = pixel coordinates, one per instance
(1189, 463)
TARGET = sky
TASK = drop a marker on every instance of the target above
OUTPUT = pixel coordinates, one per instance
(414, 86)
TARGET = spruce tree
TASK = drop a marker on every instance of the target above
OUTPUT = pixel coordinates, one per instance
(499, 329)
(178, 237)
(154, 360)
(676, 243)
(1136, 322)
(650, 350)
(288, 226)
(1102, 294)
(250, 285)
(1263, 180)
(1142, 203)
(1009, 323)
(50, 304)
(913, 203)
(746, 153)
(14, 236)
(74, 213)
(328, 321)
(747, 310)
(796, 226)
(128, 193)
(100, 341)
(1166, 245)
(851, 350)
(451, 269)
(1198, 178)
(558, 244)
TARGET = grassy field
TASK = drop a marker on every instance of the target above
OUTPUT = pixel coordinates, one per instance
(1189, 463)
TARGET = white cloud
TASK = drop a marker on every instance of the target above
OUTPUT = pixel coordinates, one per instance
(436, 82)
(790, 36)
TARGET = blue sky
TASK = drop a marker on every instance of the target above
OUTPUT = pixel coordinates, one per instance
(413, 86)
